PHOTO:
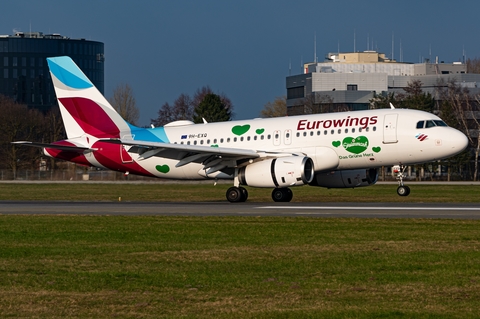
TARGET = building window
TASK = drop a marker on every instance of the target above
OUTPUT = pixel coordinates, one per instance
(352, 87)
(296, 92)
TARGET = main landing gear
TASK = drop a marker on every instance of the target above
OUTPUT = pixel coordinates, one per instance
(239, 194)
(402, 189)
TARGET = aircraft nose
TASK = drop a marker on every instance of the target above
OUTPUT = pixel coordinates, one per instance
(457, 141)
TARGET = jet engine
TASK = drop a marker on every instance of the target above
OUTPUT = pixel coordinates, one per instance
(278, 172)
(346, 178)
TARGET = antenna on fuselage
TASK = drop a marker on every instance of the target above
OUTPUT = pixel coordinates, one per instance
(391, 106)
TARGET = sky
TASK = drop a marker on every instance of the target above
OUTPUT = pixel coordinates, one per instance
(243, 49)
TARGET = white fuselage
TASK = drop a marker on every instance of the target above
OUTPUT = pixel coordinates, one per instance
(335, 141)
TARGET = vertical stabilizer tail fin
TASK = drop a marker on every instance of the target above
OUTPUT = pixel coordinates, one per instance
(85, 111)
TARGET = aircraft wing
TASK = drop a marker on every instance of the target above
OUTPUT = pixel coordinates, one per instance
(213, 158)
(69, 148)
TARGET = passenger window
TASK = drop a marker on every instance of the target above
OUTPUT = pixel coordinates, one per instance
(339, 131)
(201, 142)
(311, 133)
(221, 140)
(287, 135)
(304, 133)
(346, 130)
(359, 129)
(248, 138)
(194, 142)
(332, 132)
(234, 139)
(255, 138)
(269, 136)
(262, 137)
(353, 130)
(367, 129)
(374, 128)
(298, 134)
(228, 140)
(318, 132)
(325, 132)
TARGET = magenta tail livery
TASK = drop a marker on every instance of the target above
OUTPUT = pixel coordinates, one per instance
(329, 150)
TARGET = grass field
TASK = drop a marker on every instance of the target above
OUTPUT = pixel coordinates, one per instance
(236, 267)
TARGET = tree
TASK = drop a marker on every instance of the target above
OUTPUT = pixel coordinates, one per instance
(415, 98)
(123, 101)
(276, 108)
(19, 123)
(212, 109)
(465, 107)
(473, 65)
(382, 101)
(203, 91)
(182, 109)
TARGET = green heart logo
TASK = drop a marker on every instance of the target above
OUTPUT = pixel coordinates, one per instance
(163, 168)
(214, 145)
(376, 149)
(260, 131)
(240, 129)
(355, 145)
(336, 143)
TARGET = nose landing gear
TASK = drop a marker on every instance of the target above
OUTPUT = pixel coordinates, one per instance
(402, 189)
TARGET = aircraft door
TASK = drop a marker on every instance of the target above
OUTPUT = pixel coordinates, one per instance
(390, 129)
(125, 157)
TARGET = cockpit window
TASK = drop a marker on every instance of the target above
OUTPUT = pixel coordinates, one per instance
(430, 123)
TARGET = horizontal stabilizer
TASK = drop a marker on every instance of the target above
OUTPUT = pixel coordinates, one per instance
(55, 146)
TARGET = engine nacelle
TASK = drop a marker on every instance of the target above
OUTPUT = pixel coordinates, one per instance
(278, 172)
(346, 178)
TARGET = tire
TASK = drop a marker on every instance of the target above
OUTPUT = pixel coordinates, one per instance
(244, 194)
(234, 195)
(237, 194)
(403, 190)
(282, 195)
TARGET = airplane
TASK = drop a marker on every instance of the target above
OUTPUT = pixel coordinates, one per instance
(333, 150)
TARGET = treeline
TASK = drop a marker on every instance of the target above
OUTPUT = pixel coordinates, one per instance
(19, 123)
(204, 105)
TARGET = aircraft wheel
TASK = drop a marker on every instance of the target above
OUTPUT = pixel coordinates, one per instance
(403, 190)
(282, 195)
(236, 195)
(244, 194)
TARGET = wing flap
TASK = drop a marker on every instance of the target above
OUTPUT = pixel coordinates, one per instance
(187, 149)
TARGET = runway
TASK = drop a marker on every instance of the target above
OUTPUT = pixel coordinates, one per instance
(359, 210)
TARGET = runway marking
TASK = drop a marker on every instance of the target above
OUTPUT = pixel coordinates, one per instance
(371, 208)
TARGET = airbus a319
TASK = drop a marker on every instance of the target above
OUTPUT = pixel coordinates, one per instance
(334, 150)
